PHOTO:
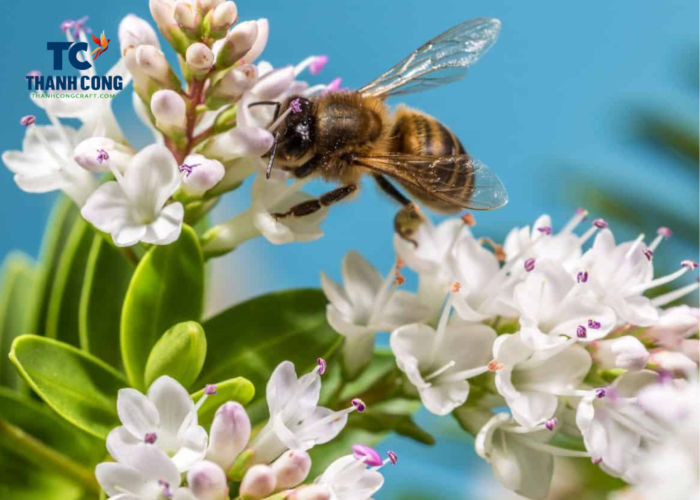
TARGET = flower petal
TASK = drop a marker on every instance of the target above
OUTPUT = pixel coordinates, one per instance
(173, 403)
(138, 414)
(108, 208)
(151, 178)
(155, 465)
(117, 478)
(121, 443)
(361, 281)
(167, 227)
(193, 447)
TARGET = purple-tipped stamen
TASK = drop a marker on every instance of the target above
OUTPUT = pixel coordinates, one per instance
(581, 211)
(529, 264)
(321, 366)
(210, 389)
(317, 65)
(392, 457)
(295, 106)
(665, 232)
(28, 120)
(593, 324)
(600, 223)
(66, 25)
(545, 230)
(102, 156)
(367, 455)
(34, 73)
(582, 277)
(79, 26)
(334, 85)
(689, 264)
(188, 168)
(150, 438)
(601, 392)
(596, 460)
(359, 405)
(551, 423)
(581, 332)
(166, 488)
(648, 253)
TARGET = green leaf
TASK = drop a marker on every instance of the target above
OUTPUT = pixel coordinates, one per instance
(179, 353)
(167, 288)
(64, 304)
(237, 389)
(43, 424)
(252, 338)
(16, 289)
(58, 228)
(79, 387)
(106, 281)
(21, 480)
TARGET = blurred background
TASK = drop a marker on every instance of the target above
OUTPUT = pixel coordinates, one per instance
(591, 104)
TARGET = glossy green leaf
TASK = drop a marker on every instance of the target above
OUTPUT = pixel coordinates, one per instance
(380, 422)
(16, 289)
(179, 353)
(78, 386)
(167, 288)
(237, 389)
(23, 480)
(64, 303)
(106, 281)
(252, 338)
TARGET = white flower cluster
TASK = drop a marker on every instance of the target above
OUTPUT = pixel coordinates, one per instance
(564, 337)
(161, 451)
(207, 135)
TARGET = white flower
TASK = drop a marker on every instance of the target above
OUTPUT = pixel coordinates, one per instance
(674, 328)
(531, 380)
(439, 363)
(101, 154)
(553, 306)
(46, 163)
(365, 305)
(540, 242)
(296, 420)
(133, 208)
(146, 474)
(202, 174)
(517, 459)
(269, 197)
(613, 425)
(165, 419)
(349, 479)
(626, 352)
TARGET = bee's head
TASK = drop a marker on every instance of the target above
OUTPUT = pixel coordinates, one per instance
(294, 136)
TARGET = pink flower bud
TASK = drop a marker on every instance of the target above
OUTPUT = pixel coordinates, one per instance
(152, 62)
(259, 482)
(230, 430)
(624, 352)
(223, 16)
(134, 31)
(199, 57)
(260, 41)
(207, 5)
(314, 492)
(204, 176)
(237, 44)
(207, 481)
(169, 110)
(186, 16)
(291, 468)
(163, 12)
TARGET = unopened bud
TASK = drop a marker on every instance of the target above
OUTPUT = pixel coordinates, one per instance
(169, 110)
(625, 352)
(201, 174)
(101, 154)
(291, 468)
(199, 57)
(152, 62)
(230, 432)
(232, 86)
(260, 41)
(239, 142)
(222, 18)
(163, 12)
(237, 44)
(186, 17)
(259, 482)
(134, 31)
(313, 492)
(207, 5)
(207, 481)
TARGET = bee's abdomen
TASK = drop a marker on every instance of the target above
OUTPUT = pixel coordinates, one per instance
(422, 135)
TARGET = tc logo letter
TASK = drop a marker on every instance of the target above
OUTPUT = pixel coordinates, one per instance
(59, 47)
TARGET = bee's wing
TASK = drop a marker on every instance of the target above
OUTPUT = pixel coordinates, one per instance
(459, 180)
(442, 60)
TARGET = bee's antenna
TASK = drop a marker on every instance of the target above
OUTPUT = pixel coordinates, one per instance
(276, 123)
(272, 155)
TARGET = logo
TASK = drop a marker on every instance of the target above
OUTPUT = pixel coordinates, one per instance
(37, 82)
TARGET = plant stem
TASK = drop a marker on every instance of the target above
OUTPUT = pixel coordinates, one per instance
(37, 452)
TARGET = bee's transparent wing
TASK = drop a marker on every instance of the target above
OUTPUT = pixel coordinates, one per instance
(444, 59)
(459, 180)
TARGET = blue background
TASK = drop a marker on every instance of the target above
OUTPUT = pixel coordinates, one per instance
(552, 108)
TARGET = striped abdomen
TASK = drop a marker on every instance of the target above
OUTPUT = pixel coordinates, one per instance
(415, 133)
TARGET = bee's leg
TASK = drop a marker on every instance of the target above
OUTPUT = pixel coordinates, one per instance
(311, 206)
(409, 218)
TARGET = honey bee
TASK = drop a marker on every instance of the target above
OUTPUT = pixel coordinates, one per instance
(343, 135)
